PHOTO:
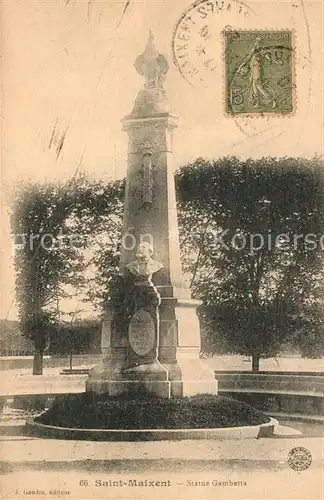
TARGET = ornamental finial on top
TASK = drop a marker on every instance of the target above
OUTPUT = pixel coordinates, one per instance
(152, 65)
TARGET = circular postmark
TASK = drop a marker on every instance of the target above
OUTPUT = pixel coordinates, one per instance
(196, 42)
(299, 458)
(199, 46)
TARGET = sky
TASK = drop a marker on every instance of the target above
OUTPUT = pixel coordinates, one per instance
(70, 64)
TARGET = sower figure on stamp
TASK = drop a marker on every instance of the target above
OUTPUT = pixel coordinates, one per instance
(252, 64)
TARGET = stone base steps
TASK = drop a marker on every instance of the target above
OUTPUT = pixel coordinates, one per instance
(318, 419)
(18, 428)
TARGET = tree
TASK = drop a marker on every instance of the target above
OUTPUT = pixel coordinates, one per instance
(65, 237)
(309, 333)
(238, 222)
(42, 263)
(104, 214)
(250, 246)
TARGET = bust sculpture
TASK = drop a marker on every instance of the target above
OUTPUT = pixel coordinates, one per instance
(144, 266)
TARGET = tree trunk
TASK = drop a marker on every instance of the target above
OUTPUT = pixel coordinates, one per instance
(255, 363)
(71, 354)
(38, 362)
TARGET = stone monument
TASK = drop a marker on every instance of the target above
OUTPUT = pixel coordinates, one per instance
(150, 334)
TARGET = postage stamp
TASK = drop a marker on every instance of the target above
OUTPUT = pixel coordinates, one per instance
(259, 72)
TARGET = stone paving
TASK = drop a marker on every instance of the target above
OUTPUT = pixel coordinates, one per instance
(223, 469)
(33, 450)
(43, 384)
(186, 469)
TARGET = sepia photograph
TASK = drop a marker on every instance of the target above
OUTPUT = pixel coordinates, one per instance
(162, 249)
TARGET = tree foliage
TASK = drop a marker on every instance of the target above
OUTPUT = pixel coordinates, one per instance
(39, 213)
(243, 231)
(56, 231)
(255, 295)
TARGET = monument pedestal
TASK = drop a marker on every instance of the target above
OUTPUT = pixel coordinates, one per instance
(178, 371)
(179, 348)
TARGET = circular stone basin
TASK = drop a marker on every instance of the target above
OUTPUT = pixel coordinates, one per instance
(249, 432)
(92, 417)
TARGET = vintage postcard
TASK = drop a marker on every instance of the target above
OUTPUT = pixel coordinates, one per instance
(162, 237)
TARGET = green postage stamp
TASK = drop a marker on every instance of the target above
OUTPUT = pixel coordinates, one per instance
(259, 72)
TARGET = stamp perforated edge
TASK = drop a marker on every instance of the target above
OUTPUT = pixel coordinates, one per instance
(242, 116)
(261, 114)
